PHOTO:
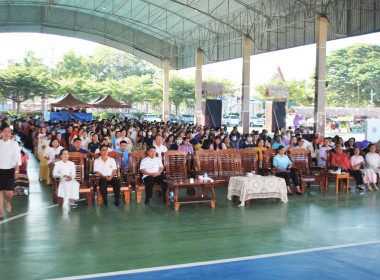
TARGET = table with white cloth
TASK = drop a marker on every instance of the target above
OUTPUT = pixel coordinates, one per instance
(257, 187)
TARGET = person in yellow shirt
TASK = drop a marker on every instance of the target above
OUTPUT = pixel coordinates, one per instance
(260, 148)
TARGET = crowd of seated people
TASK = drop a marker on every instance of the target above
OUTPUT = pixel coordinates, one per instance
(126, 136)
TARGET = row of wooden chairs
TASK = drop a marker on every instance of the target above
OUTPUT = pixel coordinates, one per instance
(88, 182)
(177, 165)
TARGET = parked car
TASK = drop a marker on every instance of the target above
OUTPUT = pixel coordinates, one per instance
(172, 118)
(131, 117)
(231, 120)
(185, 119)
(256, 121)
(150, 118)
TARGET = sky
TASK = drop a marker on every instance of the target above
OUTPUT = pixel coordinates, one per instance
(296, 63)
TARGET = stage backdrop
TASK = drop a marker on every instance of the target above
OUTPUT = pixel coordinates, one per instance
(372, 130)
(65, 116)
(213, 114)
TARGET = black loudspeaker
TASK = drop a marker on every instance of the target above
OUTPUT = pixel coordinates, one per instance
(278, 116)
(213, 114)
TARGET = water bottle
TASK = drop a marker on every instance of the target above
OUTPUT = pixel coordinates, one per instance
(339, 171)
(261, 164)
(205, 176)
(171, 195)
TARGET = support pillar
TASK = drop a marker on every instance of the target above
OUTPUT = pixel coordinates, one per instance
(246, 84)
(320, 79)
(165, 96)
(198, 116)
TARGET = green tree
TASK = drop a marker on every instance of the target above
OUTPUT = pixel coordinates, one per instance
(82, 88)
(298, 93)
(73, 66)
(350, 68)
(26, 80)
(180, 91)
(108, 63)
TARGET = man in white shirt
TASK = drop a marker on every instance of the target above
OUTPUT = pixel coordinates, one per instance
(151, 168)
(106, 168)
(123, 137)
(159, 147)
(10, 161)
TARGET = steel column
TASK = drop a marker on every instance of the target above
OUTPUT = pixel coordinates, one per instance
(198, 117)
(165, 88)
(246, 84)
(320, 79)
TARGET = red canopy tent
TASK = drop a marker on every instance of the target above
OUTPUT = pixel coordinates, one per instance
(109, 102)
(96, 99)
(68, 100)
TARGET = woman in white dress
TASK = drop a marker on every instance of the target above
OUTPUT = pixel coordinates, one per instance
(369, 176)
(53, 150)
(68, 188)
(373, 160)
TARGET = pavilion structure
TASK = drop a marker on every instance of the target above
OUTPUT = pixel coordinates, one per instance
(178, 34)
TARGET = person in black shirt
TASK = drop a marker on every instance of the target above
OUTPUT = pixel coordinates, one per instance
(94, 144)
(148, 140)
(177, 143)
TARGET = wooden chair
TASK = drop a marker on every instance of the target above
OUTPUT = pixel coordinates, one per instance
(248, 161)
(301, 160)
(268, 162)
(206, 161)
(125, 187)
(175, 163)
(135, 174)
(228, 164)
(80, 177)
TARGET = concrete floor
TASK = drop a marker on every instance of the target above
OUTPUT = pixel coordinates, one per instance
(49, 242)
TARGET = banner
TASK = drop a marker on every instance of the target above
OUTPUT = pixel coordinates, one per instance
(65, 116)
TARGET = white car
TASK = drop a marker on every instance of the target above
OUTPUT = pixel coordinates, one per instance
(150, 118)
(231, 120)
(256, 121)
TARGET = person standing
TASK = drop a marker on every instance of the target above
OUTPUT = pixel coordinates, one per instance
(10, 161)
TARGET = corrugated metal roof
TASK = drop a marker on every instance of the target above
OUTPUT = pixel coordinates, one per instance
(175, 29)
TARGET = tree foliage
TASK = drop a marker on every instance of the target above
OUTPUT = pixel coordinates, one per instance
(180, 91)
(298, 93)
(26, 80)
(350, 68)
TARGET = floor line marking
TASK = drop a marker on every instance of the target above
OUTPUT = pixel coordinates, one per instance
(26, 213)
(218, 261)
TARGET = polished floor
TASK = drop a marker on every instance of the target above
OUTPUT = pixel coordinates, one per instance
(39, 240)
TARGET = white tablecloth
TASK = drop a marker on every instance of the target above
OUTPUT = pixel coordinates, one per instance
(257, 187)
